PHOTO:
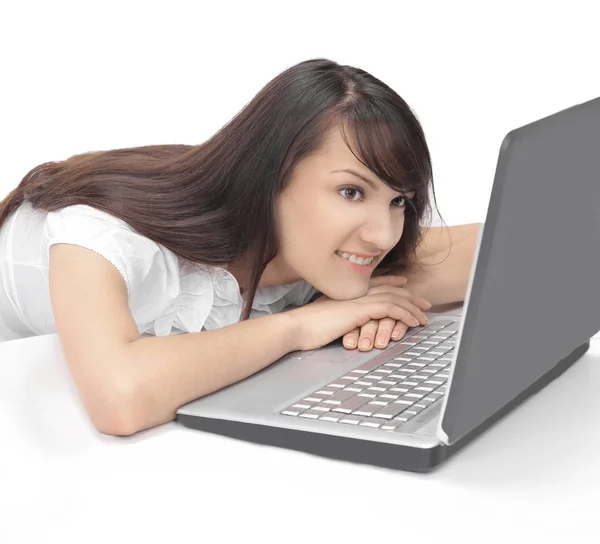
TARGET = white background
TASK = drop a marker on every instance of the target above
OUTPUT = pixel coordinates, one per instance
(90, 76)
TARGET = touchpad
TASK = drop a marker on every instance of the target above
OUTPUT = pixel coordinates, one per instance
(334, 352)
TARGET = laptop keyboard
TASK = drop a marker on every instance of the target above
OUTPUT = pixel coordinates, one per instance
(388, 393)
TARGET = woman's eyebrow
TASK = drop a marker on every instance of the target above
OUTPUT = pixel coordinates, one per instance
(369, 182)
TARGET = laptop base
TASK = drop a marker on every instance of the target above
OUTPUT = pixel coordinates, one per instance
(379, 454)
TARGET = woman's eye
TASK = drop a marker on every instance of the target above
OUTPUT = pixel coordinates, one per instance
(404, 201)
(352, 190)
(358, 190)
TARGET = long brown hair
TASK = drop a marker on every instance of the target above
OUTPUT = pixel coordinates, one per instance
(211, 203)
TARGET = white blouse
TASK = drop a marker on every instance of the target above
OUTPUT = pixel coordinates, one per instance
(167, 294)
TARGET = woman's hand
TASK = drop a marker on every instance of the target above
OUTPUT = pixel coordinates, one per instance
(325, 320)
(379, 332)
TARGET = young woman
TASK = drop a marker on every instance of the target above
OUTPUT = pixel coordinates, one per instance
(171, 271)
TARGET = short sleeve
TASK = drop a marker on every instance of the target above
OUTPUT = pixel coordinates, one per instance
(150, 271)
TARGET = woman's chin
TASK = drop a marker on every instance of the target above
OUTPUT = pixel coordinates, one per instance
(347, 294)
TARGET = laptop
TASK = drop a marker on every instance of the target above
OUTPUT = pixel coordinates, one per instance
(531, 308)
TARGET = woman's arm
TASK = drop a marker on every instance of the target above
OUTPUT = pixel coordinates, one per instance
(446, 255)
(128, 383)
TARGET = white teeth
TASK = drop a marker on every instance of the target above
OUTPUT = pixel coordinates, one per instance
(354, 259)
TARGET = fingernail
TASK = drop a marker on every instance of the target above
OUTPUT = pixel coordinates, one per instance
(365, 343)
(350, 343)
(380, 341)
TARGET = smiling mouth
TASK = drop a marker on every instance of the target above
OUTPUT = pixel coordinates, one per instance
(360, 268)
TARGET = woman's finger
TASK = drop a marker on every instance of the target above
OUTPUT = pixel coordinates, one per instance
(399, 331)
(350, 339)
(420, 302)
(384, 332)
(367, 334)
(398, 281)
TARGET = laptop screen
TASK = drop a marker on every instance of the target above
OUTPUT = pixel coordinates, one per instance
(533, 296)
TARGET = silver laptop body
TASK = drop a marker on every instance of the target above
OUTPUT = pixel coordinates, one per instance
(531, 307)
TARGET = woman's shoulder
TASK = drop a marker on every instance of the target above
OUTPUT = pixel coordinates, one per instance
(84, 224)
(87, 215)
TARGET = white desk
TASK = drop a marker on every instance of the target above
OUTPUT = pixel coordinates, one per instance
(533, 477)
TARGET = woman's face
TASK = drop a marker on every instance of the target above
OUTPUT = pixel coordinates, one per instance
(323, 211)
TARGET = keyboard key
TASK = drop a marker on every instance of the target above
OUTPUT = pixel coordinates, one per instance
(416, 378)
(339, 397)
(326, 391)
(400, 377)
(389, 425)
(448, 323)
(322, 407)
(351, 419)
(314, 398)
(291, 412)
(351, 404)
(391, 410)
(302, 405)
(406, 400)
(400, 361)
(399, 389)
(382, 370)
(349, 377)
(367, 409)
(363, 382)
(331, 416)
(376, 390)
(408, 343)
(370, 378)
(312, 414)
(413, 353)
(415, 395)
(371, 422)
